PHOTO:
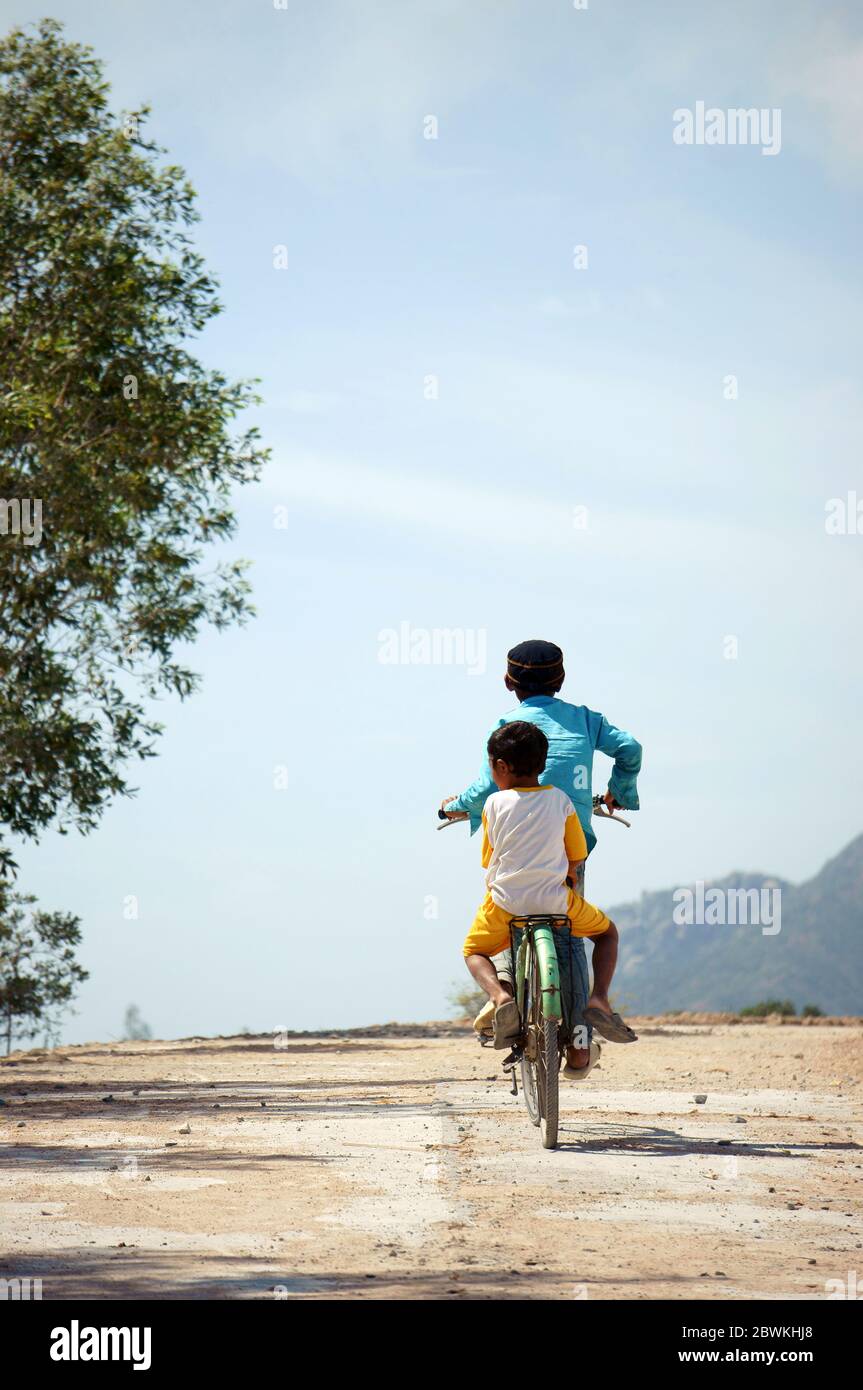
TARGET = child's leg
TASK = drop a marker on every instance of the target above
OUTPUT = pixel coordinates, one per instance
(606, 1022)
(589, 921)
(583, 1033)
(488, 935)
(578, 1055)
(604, 962)
(483, 971)
(502, 962)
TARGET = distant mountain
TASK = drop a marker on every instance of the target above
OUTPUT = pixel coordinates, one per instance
(816, 957)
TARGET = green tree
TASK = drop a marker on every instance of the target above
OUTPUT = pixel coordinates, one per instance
(134, 1027)
(112, 427)
(38, 969)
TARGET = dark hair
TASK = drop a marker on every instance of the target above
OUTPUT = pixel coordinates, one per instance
(522, 745)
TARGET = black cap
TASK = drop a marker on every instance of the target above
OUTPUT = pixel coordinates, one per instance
(536, 666)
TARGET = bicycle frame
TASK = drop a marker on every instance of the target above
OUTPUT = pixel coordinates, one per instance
(540, 930)
(537, 1049)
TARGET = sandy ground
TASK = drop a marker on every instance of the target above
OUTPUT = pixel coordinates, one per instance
(382, 1166)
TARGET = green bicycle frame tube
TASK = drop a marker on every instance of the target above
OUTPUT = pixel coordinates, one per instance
(546, 955)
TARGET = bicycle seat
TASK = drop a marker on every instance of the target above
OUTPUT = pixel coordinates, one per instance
(539, 919)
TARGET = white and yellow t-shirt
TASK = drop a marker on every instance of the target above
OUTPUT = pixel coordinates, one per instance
(529, 835)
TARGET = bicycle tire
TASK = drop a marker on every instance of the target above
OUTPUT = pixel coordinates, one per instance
(548, 1077)
(529, 1087)
(540, 1035)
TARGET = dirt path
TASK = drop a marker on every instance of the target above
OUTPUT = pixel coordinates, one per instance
(381, 1166)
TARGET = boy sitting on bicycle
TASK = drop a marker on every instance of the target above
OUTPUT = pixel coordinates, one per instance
(534, 674)
(533, 847)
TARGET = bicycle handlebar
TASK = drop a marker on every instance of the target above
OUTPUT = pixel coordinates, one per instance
(598, 810)
(603, 814)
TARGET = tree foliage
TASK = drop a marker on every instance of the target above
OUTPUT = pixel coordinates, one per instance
(111, 423)
(38, 969)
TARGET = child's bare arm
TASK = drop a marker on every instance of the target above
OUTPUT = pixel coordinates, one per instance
(575, 875)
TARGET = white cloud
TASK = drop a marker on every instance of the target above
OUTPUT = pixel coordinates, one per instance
(554, 307)
(827, 72)
(350, 98)
(499, 517)
(307, 402)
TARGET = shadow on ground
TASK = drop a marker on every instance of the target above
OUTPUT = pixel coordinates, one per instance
(668, 1143)
(130, 1275)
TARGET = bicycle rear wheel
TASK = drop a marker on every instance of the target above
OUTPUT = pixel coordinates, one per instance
(529, 1086)
(540, 1059)
(549, 1082)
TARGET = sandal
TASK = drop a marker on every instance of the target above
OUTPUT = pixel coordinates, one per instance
(609, 1026)
(579, 1073)
(482, 1024)
(507, 1024)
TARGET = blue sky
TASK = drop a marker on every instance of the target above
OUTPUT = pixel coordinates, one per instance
(453, 506)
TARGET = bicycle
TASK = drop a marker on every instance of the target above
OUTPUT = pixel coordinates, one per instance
(545, 1031)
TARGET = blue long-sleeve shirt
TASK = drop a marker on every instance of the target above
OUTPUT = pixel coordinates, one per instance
(574, 733)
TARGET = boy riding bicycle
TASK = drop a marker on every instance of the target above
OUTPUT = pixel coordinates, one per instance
(535, 673)
(533, 846)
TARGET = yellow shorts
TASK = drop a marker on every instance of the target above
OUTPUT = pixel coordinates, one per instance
(490, 930)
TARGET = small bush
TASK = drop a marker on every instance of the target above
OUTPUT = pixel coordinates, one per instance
(811, 1011)
(769, 1006)
(466, 1000)
(134, 1027)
